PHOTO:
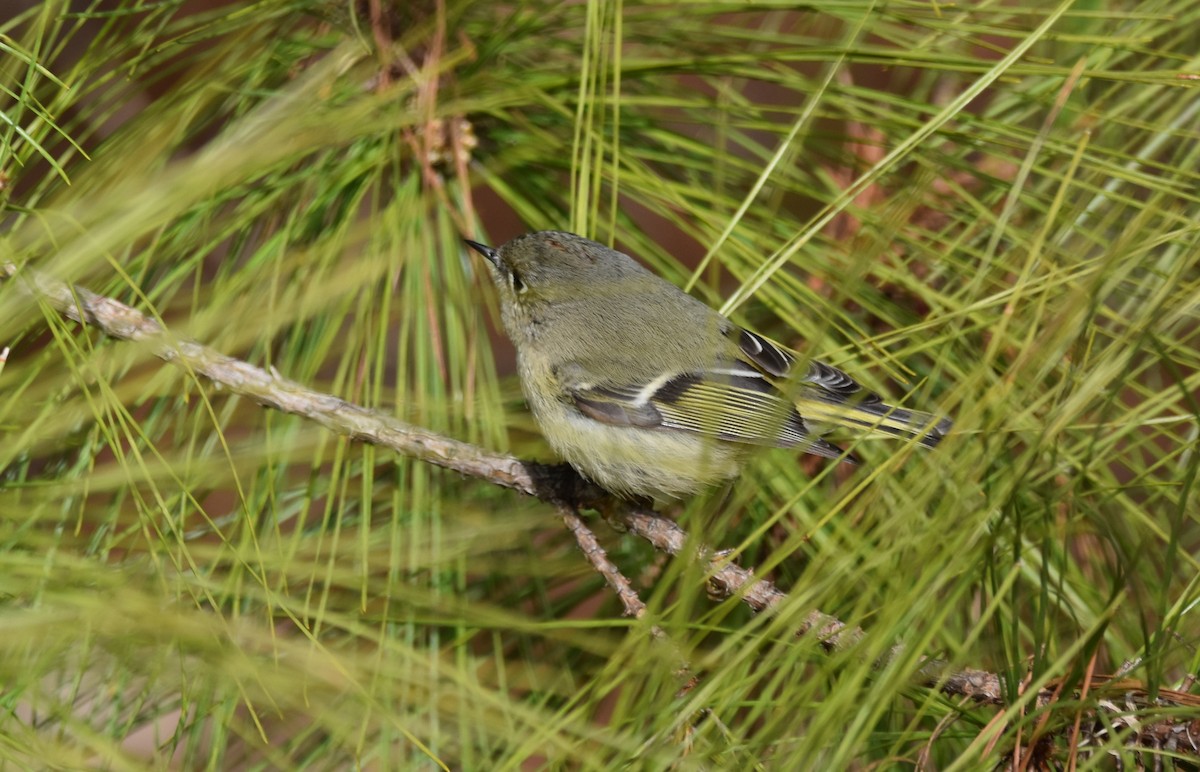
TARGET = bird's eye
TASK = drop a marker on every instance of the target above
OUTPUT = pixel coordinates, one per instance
(515, 282)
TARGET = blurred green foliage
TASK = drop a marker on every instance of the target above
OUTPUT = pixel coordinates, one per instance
(987, 208)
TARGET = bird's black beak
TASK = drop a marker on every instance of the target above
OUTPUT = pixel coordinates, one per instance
(485, 250)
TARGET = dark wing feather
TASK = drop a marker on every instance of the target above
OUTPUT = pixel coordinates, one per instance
(838, 386)
(615, 408)
(763, 353)
(777, 362)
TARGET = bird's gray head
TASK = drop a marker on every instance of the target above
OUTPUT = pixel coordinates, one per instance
(553, 265)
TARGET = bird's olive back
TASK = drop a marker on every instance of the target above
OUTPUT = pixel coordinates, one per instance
(568, 300)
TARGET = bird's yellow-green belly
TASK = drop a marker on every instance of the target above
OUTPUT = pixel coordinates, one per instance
(632, 460)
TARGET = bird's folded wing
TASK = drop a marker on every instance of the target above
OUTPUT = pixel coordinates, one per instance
(826, 396)
(732, 402)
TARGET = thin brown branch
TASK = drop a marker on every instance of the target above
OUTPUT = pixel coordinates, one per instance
(728, 580)
(595, 554)
(272, 390)
(634, 607)
(556, 484)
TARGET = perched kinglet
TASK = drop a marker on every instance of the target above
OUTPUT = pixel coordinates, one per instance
(646, 390)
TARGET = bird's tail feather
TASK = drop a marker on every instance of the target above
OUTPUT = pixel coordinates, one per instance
(877, 416)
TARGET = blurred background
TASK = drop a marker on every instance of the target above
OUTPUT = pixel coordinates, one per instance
(990, 210)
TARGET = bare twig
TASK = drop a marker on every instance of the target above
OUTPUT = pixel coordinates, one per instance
(266, 388)
(634, 607)
(599, 559)
(556, 484)
(728, 580)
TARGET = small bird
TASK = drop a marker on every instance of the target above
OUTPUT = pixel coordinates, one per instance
(646, 390)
